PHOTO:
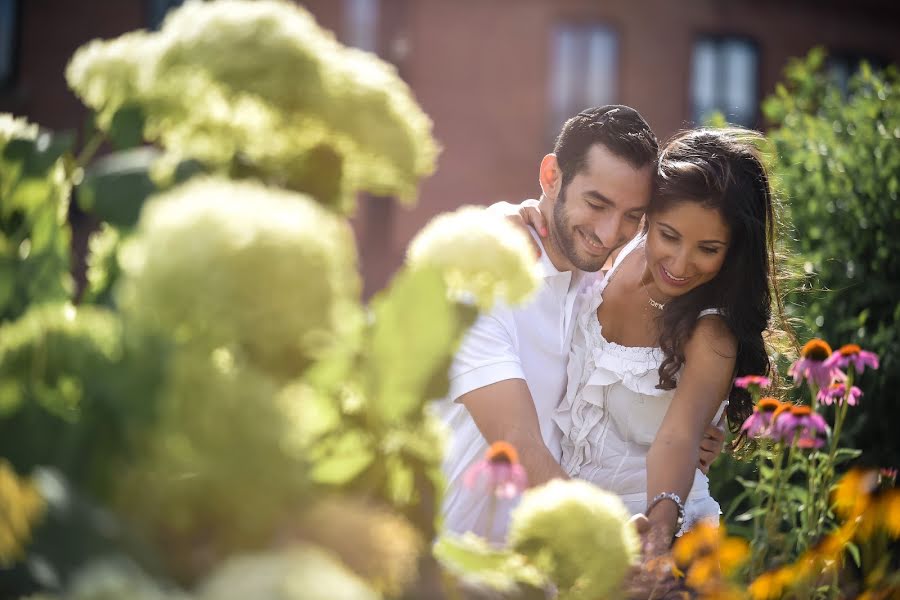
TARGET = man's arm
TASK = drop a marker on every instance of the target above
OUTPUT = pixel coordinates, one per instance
(505, 411)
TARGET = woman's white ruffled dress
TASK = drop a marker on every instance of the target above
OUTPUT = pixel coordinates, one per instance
(612, 411)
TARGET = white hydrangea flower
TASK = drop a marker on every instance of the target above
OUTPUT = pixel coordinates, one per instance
(579, 533)
(482, 256)
(16, 127)
(294, 573)
(259, 88)
(267, 272)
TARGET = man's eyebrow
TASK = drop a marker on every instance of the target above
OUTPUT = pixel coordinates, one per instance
(595, 195)
(667, 226)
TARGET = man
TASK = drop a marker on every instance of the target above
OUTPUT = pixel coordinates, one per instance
(510, 372)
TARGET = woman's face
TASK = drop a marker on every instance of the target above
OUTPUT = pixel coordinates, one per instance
(686, 246)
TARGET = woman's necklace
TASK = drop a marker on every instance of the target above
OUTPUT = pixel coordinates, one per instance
(653, 303)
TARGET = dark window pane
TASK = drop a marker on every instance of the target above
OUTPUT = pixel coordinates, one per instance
(724, 78)
(583, 70)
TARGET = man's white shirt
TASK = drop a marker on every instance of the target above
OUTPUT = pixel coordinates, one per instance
(529, 342)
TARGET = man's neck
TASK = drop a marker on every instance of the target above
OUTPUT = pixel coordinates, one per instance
(551, 243)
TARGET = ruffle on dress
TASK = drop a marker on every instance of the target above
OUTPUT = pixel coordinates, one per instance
(612, 410)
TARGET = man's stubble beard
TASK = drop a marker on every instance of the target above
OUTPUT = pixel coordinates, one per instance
(563, 236)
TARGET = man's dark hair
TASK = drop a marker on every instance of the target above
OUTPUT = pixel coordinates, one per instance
(620, 128)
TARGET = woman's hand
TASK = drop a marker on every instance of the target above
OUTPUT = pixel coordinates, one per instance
(710, 447)
(529, 215)
(653, 577)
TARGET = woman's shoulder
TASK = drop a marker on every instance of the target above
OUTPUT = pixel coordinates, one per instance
(711, 334)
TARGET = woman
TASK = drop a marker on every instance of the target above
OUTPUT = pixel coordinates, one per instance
(661, 338)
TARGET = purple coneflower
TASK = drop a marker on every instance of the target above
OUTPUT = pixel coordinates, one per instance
(798, 424)
(747, 380)
(760, 422)
(499, 471)
(813, 365)
(852, 354)
(836, 393)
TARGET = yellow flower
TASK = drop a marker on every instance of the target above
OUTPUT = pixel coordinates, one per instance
(890, 506)
(770, 585)
(851, 496)
(707, 555)
(482, 256)
(21, 505)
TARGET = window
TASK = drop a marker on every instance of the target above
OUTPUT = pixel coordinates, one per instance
(9, 19)
(724, 78)
(157, 10)
(843, 65)
(361, 24)
(584, 71)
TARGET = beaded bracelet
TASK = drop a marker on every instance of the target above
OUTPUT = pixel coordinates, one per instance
(674, 498)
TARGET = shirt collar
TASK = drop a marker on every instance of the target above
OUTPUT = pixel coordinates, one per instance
(548, 270)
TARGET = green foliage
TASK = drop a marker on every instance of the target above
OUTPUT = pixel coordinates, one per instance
(838, 167)
(34, 233)
(74, 392)
(477, 563)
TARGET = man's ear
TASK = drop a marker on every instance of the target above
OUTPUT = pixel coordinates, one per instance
(550, 176)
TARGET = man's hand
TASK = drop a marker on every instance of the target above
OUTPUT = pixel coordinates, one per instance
(710, 447)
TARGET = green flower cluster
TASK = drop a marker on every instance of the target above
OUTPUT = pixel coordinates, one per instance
(483, 257)
(578, 534)
(216, 475)
(268, 274)
(257, 88)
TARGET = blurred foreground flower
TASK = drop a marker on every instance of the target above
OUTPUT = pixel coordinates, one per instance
(265, 273)
(21, 505)
(380, 546)
(293, 573)
(352, 125)
(499, 473)
(578, 534)
(483, 257)
(707, 557)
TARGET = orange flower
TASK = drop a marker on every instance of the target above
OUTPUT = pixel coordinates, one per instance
(502, 452)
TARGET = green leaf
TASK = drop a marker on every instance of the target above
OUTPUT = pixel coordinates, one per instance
(126, 129)
(414, 335)
(339, 460)
(853, 550)
(116, 187)
(473, 559)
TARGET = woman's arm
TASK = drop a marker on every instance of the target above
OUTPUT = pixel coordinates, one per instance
(709, 358)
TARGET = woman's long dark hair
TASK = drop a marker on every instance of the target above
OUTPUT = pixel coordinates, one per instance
(722, 169)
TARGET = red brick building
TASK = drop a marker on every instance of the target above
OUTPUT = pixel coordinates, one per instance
(499, 76)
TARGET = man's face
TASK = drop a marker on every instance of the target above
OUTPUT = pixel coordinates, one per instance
(600, 208)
